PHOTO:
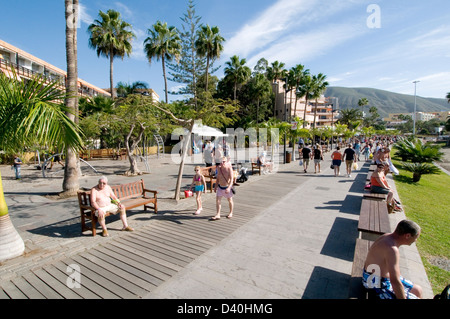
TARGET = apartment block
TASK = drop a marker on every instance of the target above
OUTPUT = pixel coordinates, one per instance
(26, 66)
(322, 112)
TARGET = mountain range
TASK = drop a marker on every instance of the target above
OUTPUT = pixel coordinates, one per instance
(385, 101)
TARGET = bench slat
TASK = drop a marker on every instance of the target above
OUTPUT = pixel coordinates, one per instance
(374, 217)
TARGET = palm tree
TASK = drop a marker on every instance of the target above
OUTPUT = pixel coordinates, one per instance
(275, 72)
(30, 113)
(209, 44)
(319, 86)
(71, 169)
(297, 73)
(163, 43)
(237, 71)
(260, 88)
(111, 37)
(305, 90)
(124, 89)
(362, 102)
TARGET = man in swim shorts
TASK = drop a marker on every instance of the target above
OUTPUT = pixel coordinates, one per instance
(223, 187)
(382, 266)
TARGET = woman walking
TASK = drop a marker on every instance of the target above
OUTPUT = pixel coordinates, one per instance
(336, 157)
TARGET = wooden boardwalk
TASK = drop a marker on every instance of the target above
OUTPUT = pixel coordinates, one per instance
(132, 265)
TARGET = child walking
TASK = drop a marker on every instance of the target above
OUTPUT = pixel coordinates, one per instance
(199, 183)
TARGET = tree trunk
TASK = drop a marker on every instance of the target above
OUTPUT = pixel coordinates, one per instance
(165, 78)
(111, 69)
(207, 70)
(304, 112)
(71, 171)
(183, 157)
(134, 170)
(11, 244)
(416, 177)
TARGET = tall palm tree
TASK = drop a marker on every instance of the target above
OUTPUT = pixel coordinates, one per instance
(71, 169)
(209, 44)
(260, 88)
(319, 86)
(111, 37)
(305, 90)
(275, 72)
(297, 73)
(363, 102)
(163, 43)
(237, 71)
(30, 113)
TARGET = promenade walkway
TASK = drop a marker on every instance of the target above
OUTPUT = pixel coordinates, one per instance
(292, 236)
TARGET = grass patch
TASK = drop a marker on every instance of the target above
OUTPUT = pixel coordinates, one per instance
(427, 203)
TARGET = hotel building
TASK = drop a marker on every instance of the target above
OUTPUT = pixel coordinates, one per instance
(327, 108)
(26, 66)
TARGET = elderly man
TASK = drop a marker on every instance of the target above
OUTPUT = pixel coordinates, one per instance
(223, 187)
(101, 196)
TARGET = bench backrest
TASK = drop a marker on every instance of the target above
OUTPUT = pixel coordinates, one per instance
(122, 191)
(208, 171)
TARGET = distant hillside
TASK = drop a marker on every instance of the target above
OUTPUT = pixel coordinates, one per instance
(386, 102)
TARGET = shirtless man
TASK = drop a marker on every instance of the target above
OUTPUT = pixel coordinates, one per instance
(382, 267)
(101, 196)
(223, 187)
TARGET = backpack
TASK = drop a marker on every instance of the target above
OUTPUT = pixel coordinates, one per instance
(444, 295)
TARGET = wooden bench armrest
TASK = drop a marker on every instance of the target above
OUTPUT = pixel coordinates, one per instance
(150, 191)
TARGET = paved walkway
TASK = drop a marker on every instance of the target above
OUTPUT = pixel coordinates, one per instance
(292, 236)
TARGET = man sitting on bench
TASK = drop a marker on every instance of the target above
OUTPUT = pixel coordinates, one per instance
(101, 196)
(381, 272)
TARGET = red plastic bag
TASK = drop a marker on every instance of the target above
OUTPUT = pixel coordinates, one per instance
(187, 194)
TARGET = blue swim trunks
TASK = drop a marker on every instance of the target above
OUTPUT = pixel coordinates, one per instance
(383, 288)
(199, 188)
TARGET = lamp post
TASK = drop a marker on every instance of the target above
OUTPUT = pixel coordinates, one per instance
(414, 115)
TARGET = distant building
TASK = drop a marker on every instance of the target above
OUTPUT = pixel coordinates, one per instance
(327, 112)
(26, 66)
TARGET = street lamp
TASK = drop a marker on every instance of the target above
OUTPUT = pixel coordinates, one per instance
(414, 115)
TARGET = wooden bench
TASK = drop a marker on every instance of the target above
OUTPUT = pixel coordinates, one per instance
(131, 195)
(119, 154)
(356, 288)
(367, 194)
(373, 219)
(255, 166)
(210, 175)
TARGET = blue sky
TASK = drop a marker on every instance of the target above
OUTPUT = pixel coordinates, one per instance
(384, 44)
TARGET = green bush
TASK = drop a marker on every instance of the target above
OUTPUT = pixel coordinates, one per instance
(419, 169)
(413, 150)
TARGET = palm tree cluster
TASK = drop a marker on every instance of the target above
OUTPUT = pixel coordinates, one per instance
(419, 155)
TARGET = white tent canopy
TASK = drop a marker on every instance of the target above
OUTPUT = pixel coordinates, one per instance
(204, 130)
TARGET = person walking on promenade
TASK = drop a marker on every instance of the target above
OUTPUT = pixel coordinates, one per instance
(16, 165)
(318, 157)
(306, 153)
(199, 183)
(350, 158)
(381, 272)
(101, 196)
(357, 148)
(208, 154)
(336, 157)
(223, 187)
(366, 152)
